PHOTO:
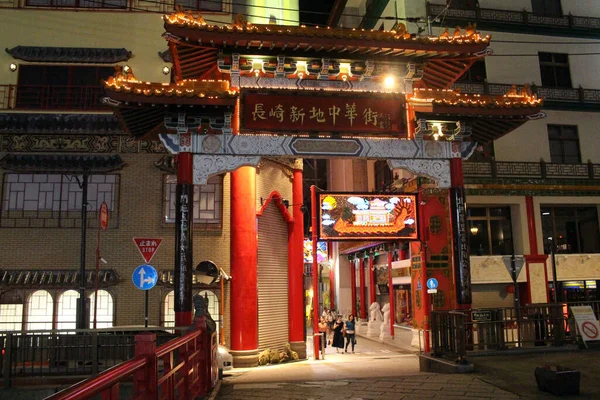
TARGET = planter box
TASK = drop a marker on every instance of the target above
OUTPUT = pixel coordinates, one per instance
(557, 380)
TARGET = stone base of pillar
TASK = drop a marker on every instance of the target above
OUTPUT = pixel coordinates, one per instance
(360, 327)
(418, 340)
(300, 348)
(244, 358)
(373, 328)
(384, 332)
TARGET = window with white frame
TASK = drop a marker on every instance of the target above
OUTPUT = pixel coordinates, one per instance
(40, 311)
(104, 311)
(53, 200)
(67, 310)
(11, 317)
(208, 201)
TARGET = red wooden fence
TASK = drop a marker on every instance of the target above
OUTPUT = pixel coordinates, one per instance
(188, 370)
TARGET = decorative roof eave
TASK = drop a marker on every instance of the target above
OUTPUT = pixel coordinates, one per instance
(125, 87)
(86, 55)
(61, 163)
(274, 38)
(31, 278)
(450, 101)
(121, 99)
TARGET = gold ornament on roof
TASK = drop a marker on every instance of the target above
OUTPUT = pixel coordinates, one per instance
(457, 32)
(470, 30)
(526, 90)
(446, 34)
(402, 31)
(240, 21)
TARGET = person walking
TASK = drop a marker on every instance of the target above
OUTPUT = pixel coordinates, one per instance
(350, 325)
(338, 335)
(323, 328)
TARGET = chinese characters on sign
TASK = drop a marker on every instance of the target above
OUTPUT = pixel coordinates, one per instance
(323, 114)
(147, 247)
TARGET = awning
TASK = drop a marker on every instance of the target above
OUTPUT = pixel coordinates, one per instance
(55, 278)
(82, 55)
(61, 163)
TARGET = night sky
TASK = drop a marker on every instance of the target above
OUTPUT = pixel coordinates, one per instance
(323, 6)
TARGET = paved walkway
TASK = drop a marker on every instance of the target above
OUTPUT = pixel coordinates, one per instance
(423, 386)
(380, 371)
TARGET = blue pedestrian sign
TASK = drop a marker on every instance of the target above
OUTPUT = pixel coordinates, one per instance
(432, 283)
(144, 277)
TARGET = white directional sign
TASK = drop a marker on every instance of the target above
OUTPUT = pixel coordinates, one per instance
(144, 277)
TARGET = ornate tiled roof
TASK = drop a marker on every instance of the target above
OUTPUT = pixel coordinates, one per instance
(70, 54)
(242, 28)
(60, 163)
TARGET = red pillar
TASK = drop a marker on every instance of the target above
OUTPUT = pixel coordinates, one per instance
(363, 300)
(533, 249)
(391, 290)
(353, 286)
(244, 254)
(315, 272)
(184, 263)
(331, 286)
(372, 292)
(296, 268)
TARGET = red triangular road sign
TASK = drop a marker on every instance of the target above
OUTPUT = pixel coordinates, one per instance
(147, 247)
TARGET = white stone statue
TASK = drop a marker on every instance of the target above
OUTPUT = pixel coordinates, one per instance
(375, 320)
(384, 329)
(375, 313)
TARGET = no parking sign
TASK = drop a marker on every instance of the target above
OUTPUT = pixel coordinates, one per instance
(587, 324)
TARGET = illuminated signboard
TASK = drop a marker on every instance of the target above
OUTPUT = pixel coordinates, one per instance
(321, 251)
(346, 216)
(293, 113)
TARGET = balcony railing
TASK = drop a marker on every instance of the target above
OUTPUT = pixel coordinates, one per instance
(519, 20)
(22, 97)
(551, 95)
(535, 170)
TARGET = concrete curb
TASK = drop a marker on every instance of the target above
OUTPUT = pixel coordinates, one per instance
(215, 391)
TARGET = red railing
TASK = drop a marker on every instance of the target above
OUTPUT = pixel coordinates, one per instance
(188, 370)
(28, 97)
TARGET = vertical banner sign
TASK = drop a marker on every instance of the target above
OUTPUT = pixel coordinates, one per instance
(183, 247)
(104, 215)
(462, 267)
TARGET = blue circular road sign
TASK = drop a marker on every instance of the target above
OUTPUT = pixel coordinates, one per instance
(144, 277)
(432, 283)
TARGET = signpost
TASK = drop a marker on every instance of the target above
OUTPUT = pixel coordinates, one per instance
(102, 223)
(587, 324)
(514, 264)
(144, 278)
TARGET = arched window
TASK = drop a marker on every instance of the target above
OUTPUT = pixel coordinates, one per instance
(67, 310)
(105, 311)
(39, 311)
(169, 307)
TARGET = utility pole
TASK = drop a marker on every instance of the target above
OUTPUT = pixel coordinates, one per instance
(80, 321)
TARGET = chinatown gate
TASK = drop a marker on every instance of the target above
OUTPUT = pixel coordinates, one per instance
(243, 92)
